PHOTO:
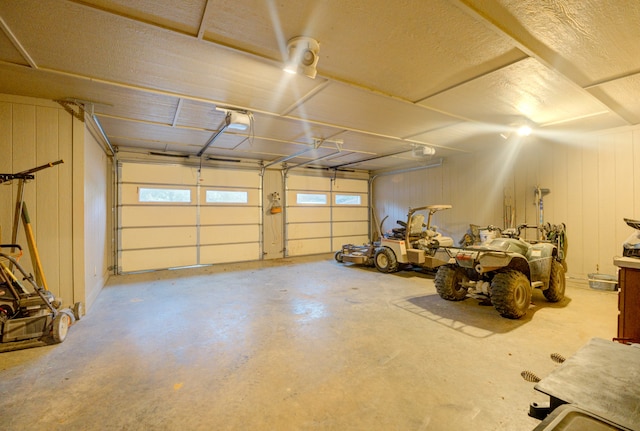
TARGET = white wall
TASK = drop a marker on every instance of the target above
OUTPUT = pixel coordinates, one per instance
(594, 183)
(97, 218)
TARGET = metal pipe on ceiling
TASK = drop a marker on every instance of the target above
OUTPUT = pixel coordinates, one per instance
(214, 137)
(104, 135)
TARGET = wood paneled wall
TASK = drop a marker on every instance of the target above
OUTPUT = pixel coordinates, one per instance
(98, 218)
(594, 183)
(34, 132)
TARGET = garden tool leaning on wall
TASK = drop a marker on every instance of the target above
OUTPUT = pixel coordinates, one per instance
(30, 315)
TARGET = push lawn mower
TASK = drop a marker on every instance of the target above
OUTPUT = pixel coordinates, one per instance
(29, 317)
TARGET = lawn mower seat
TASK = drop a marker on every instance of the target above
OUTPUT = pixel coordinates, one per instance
(417, 222)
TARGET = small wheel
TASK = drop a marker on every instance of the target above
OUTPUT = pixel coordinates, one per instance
(338, 256)
(385, 260)
(78, 310)
(61, 324)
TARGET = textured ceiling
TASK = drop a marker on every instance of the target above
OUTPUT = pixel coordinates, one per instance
(453, 75)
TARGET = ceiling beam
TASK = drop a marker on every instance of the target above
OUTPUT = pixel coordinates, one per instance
(314, 160)
(273, 61)
(16, 43)
(371, 158)
(503, 22)
(207, 10)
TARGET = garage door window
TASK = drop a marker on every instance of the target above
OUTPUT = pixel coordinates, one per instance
(348, 200)
(163, 195)
(311, 199)
(226, 197)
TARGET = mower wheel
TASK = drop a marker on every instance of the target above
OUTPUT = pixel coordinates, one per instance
(385, 260)
(338, 256)
(555, 292)
(78, 310)
(448, 283)
(61, 324)
(511, 294)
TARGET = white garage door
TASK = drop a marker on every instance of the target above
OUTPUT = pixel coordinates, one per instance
(173, 215)
(324, 213)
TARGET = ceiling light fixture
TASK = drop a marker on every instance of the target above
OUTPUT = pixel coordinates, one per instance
(524, 130)
(303, 56)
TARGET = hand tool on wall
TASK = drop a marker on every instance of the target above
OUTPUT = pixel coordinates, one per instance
(22, 177)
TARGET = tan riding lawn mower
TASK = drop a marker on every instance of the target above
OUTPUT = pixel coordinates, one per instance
(415, 245)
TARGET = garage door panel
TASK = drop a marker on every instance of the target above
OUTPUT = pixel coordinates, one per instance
(175, 234)
(158, 174)
(229, 234)
(229, 215)
(346, 185)
(212, 254)
(299, 182)
(317, 225)
(350, 228)
(132, 238)
(154, 215)
(309, 230)
(338, 242)
(230, 178)
(350, 214)
(308, 214)
(301, 247)
(139, 260)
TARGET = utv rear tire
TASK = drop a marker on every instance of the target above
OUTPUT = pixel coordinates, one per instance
(385, 260)
(511, 294)
(557, 282)
(449, 283)
(339, 257)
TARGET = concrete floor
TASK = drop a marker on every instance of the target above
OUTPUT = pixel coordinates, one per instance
(294, 344)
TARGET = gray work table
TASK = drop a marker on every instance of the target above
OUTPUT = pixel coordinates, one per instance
(602, 378)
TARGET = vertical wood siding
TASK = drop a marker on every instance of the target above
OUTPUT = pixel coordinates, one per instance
(33, 133)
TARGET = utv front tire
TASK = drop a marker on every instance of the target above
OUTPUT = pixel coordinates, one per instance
(557, 282)
(449, 283)
(339, 257)
(511, 294)
(385, 260)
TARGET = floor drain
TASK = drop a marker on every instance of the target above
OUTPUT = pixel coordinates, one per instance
(557, 357)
